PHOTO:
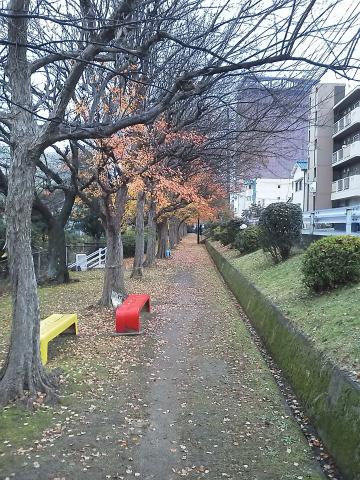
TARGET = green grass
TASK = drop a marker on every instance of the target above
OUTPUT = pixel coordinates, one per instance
(19, 426)
(331, 320)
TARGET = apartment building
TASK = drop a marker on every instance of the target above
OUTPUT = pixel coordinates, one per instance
(346, 151)
(318, 188)
(331, 176)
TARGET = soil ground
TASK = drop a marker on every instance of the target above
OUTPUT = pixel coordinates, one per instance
(192, 397)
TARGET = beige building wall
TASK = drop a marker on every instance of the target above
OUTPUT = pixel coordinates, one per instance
(318, 189)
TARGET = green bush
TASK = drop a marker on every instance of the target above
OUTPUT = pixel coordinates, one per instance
(128, 240)
(248, 240)
(280, 228)
(208, 231)
(215, 233)
(228, 232)
(225, 236)
(331, 262)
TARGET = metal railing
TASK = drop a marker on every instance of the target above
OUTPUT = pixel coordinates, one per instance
(332, 221)
(345, 153)
(352, 182)
(338, 156)
(342, 123)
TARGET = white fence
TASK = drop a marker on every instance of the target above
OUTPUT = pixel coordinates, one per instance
(332, 221)
(86, 262)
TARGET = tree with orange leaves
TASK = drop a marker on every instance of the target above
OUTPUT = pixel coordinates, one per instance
(198, 199)
(137, 159)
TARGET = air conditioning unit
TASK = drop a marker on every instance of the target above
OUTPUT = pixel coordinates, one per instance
(312, 187)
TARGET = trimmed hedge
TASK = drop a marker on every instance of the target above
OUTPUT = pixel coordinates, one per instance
(331, 262)
(248, 240)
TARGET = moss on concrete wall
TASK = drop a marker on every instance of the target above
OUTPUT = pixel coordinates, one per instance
(331, 399)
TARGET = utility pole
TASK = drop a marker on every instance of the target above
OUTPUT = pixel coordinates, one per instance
(198, 230)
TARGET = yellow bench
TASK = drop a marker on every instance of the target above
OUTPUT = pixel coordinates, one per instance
(51, 327)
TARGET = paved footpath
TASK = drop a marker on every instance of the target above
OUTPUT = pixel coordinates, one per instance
(196, 401)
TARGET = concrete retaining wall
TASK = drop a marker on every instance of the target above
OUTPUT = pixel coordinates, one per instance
(330, 397)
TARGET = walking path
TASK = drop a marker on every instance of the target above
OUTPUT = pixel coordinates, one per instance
(191, 398)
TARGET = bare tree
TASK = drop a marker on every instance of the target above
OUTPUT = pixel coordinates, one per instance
(60, 74)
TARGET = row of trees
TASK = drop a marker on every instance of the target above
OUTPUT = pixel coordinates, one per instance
(126, 93)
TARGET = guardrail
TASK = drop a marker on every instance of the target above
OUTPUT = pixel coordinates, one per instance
(332, 221)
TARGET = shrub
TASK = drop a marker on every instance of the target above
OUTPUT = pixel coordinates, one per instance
(280, 228)
(229, 232)
(215, 233)
(248, 240)
(331, 262)
(225, 236)
(128, 240)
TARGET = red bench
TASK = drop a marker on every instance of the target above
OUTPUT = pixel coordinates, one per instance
(127, 316)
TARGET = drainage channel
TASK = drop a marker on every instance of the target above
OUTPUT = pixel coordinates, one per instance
(318, 448)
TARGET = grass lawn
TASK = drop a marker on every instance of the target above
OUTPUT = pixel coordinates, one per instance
(331, 320)
(83, 360)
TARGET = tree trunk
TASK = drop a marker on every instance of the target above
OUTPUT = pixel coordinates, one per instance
(151, 238)
(139, 237)
(114, 269)
(183, 230)
(180, 231)
(162, 238)
(23, 369)
(23, 375)
(57, 267)
(172, 232)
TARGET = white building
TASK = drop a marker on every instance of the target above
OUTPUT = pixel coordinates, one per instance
(271, 190)
(298, 195)
(238, 203)
(260, 191)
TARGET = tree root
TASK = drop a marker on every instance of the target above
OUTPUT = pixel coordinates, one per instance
(30, 391)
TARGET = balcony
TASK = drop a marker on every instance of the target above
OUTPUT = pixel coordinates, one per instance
(347, 123)
(347, 152)
(346, 187)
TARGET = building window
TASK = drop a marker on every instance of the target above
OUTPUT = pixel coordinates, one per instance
(315, 144)
(298, 185)
(314, 172)
(279, 186)
(316, 117)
